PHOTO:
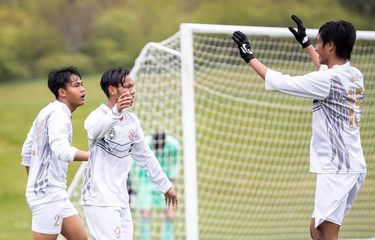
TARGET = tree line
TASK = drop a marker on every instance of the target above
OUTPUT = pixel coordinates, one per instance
(94, 35)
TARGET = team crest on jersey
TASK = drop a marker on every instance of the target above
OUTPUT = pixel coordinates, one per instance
(112, 133)
(131, 135)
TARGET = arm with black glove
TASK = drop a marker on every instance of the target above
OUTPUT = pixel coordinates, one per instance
(243, 45)
(301, 37)
(247, 54)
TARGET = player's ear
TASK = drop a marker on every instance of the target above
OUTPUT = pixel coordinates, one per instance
(331, 46)
(112, 90)
(61, 92)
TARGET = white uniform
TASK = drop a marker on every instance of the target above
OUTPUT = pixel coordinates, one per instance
(47, 152)
(335, 146)
(114, 140)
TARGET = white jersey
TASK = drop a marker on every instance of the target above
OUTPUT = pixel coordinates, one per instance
(47, 151)
(338, 95)
(114, 140)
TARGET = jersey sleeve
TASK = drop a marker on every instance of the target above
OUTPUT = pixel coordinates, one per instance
(59, 132)
(99, 122)
(146, 159)
(27, 147)
(314, 85)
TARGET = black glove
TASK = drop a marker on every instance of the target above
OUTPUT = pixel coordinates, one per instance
(243, 45)
(300, 36)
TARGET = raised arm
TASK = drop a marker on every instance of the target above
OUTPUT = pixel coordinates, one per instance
(301, 37)
(247, 54)
(314, 85)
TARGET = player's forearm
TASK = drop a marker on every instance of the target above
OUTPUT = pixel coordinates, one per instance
(258, 67)
(157, 176)
(81, 156)
(27, 170)
(313, 55)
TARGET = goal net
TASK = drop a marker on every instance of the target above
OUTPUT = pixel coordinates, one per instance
(245, 172)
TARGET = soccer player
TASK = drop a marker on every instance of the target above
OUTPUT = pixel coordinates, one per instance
(337, 91)
(46, 153)
(167, 151)
(115, 138)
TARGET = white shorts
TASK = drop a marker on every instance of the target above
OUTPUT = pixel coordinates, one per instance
(48, 217)
(334, 196)
(109, 222)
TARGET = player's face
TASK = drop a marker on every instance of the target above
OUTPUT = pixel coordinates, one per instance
(75, 92)
(127, 86)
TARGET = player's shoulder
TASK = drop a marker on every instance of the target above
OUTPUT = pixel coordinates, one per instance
(100, 110)
(130, 116)
(356, 72)
(56, 109)
(351, 73)
(347, 67)
(48, 108)
(172, 141)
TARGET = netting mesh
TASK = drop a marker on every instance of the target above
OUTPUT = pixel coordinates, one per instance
(158, 106)
(252, 145)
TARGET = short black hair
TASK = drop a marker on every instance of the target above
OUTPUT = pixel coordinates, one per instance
(58, 78)
(342, 34)
(113, 77)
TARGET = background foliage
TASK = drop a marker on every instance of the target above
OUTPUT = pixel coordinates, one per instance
(36, 36)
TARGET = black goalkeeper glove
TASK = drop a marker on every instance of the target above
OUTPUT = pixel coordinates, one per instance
(243, 45)
(300, 35)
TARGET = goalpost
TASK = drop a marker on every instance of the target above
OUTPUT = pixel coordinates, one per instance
(245, 151)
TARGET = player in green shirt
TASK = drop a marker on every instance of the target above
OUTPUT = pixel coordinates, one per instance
(167, 151)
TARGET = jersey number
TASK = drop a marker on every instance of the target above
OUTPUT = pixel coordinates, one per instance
(356, 97)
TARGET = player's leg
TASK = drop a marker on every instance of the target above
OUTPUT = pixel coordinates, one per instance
(109, 222)
(354, 191)
(145, 224)
(43, 236)
(329, 230)
(333, 198)
(47, 220)
(167, 228)
(314, 233)
(330, 227)
(326, 230)
(73, 229)
(144, 205)
(167, 232)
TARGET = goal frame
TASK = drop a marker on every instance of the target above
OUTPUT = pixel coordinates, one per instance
(187, 31)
